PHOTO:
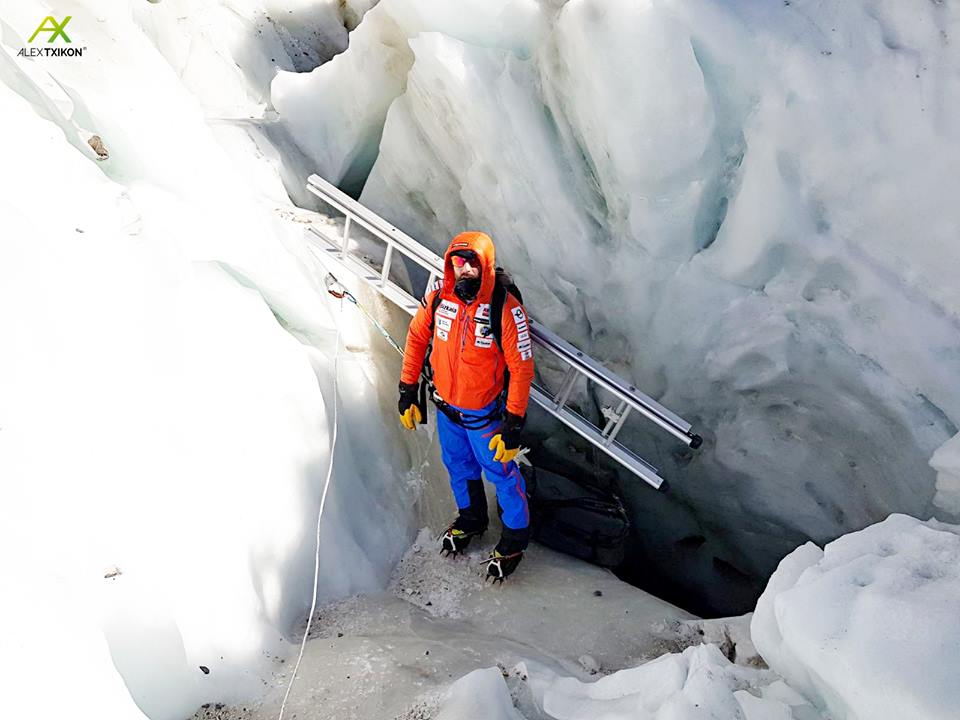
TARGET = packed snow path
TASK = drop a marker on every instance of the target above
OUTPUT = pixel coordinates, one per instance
(387, 654)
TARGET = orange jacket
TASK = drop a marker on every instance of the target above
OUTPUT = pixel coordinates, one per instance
(467, 363)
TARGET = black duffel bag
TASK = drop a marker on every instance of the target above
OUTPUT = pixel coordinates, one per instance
(575, 518)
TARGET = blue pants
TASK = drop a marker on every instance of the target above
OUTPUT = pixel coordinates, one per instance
(465, 452)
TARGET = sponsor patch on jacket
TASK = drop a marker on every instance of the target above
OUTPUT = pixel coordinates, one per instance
(483, 312)
(442, 334)
(519, 319)
(482, 330)
(524, 343)
(444, 322)
(447, 309)
(483, 342)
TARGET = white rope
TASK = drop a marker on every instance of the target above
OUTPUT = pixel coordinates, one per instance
(323, 500)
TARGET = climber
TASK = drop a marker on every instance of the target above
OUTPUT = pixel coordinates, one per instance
(482, 368)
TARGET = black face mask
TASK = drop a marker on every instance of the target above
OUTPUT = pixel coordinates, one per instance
(467, 288)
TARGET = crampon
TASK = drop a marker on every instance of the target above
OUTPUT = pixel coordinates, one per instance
(500, 567)
(455, 541)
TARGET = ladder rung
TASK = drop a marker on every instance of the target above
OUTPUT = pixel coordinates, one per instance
(615, 423)
(566, 387)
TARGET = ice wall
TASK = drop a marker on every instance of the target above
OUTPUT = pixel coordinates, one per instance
(166, 375)
(745, 207)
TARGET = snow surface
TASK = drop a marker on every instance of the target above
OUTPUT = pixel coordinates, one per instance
(868, 627)
(746, 207)
(385, 654)
(412, 655)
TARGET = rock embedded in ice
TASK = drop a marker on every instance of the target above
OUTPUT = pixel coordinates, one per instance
(869, 627)
(589, 664)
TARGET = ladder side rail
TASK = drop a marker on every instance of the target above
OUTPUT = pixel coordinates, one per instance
(634, 463)
(358, 268)
(639, 400)
(435, 269)
(370, 220)
(602, 375)
(563, 392)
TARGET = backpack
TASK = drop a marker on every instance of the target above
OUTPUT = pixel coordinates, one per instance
(502, 285)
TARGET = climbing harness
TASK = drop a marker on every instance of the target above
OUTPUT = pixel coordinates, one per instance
(464, 420)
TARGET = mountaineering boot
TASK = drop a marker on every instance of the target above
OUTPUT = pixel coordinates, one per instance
(478, 501)
(456, 538)
(470, 523)
(507, 554)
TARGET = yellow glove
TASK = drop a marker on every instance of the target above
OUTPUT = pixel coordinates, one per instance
(411, 418)
(506, 443)
(409, 412)
(500, 451)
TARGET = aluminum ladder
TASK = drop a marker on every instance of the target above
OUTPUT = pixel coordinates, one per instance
(335, 246)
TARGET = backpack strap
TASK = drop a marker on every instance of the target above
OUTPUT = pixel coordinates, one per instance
(434, 304)
(496, 312)
(504, 284)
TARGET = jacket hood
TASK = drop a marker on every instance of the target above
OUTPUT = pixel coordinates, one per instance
(482, 245)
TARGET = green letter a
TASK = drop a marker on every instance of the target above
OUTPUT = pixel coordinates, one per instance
(56, 28)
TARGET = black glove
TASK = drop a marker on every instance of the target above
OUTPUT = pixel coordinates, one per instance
(409, 412)
(506, 443)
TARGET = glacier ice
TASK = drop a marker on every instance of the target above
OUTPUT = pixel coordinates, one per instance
(868, 627)
(166, 378)
(744, 207)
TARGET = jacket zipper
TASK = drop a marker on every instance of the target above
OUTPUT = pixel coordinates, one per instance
(456, 364)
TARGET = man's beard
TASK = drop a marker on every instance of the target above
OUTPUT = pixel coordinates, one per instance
(467, 288)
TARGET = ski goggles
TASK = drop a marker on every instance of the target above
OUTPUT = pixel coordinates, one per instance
(465, 259)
